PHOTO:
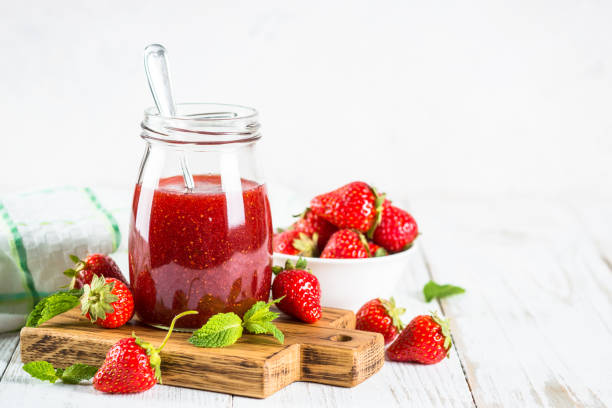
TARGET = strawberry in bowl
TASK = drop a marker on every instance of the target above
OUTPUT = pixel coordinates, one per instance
(357, 243)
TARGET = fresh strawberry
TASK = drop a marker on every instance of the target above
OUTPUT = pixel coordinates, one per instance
(380, 316)
(299, 289)
(397, 229)
(295, 243)
(425, 340)
(355, 205)
(132, 365)
(94, 264)
(376, 250)
(310, 224)
(107, 302)
(346, 243)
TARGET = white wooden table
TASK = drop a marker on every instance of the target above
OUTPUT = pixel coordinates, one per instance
(533, 329)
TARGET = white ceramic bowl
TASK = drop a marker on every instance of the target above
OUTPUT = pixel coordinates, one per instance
(349, 283)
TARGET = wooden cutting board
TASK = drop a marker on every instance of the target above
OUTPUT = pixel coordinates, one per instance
(327, 352)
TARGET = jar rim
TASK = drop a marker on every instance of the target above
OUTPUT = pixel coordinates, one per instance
(202, 123)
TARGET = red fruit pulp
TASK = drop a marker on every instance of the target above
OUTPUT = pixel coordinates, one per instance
(203, 250)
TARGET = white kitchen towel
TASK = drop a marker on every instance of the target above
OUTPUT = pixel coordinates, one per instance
(38, 232)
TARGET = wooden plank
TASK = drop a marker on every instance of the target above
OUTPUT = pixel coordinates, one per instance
(534, 327)
(256, 366)
(397, 384)
(8, 343)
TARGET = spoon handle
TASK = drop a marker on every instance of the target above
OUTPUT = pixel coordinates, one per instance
(158, 75)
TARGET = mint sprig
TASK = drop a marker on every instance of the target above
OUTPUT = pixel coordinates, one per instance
(258, 320)
(220, 330)
(433, 290)
(53, 305)
(74, 374)
(224, 329)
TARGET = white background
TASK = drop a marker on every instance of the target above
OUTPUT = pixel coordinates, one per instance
(443, 97)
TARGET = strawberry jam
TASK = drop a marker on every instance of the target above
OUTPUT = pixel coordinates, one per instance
(208, 249)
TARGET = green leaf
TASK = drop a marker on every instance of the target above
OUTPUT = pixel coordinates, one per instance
(258, 320)
(265, 327)
(72, 375)
(432, 290)
(42, 370)
(301, 263)
(77, 373)
(221, 330)
(53, 305)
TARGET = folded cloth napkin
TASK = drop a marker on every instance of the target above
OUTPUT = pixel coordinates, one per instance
(38, 232)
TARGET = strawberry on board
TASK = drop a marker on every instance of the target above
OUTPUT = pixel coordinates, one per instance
(310, 224)
(380, 316)
(397, 229)
(132, 365)
(425, 340)
(295, 243)
(346, 243)
(94, 264)
(355, 205)
(107, 302)
(299, 290)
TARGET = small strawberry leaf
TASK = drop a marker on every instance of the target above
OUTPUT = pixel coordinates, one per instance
(221, 330)
(301, 263)
(77, 373)
(53, 305)
(258, 320)
(42, 370)
(432, 290)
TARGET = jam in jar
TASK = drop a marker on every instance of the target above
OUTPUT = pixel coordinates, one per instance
(206, 247)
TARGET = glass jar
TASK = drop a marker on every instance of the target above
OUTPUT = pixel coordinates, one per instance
(206, 248)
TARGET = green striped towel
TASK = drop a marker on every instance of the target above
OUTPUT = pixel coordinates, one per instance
(38, 231)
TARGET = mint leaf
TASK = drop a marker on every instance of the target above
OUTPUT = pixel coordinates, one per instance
(433, 290)
(265, 328)
(72, 375)
(42, 370)
(258, 320)
(53, 305)
(77, 373)
(221, 330)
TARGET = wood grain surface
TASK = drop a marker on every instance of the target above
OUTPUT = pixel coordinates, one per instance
(328, 352)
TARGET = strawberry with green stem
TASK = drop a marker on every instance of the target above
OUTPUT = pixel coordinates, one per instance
(397, 229)
(299, 291)
(295, 243)
(380, 316)
(107, 302)
(426, 340)
(347, 243)
(355, 205)
(311, 224)
(94, 264)
(133, 365)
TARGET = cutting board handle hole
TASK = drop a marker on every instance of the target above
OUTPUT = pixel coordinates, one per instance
(340, 337)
